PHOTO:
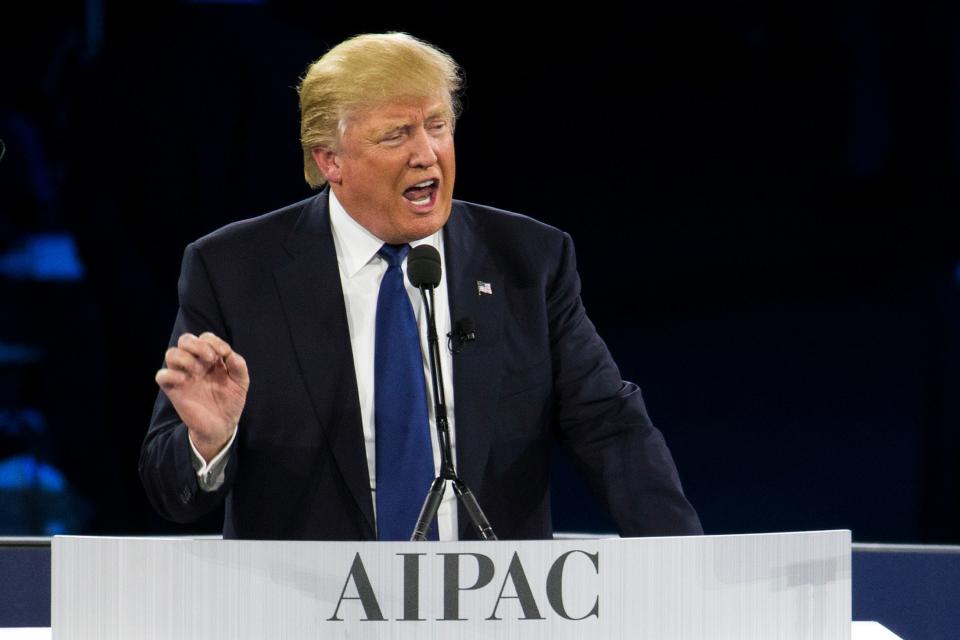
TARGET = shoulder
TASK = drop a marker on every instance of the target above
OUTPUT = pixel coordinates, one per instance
(508, 234)
(275, 225)
(259, 235)
(491, 220)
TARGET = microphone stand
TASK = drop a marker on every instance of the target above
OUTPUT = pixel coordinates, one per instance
(447, 469)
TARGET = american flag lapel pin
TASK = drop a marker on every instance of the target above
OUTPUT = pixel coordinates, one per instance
(484, 288)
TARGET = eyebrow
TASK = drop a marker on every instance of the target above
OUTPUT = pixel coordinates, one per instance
(439, 112)
(400, 124)
(390, 128)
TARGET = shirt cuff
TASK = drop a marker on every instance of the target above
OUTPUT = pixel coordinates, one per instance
(210, 475)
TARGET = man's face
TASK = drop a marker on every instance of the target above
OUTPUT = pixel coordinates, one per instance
(395, 167)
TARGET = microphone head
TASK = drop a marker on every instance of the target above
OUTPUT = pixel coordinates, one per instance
(468, 329)
(423, 266)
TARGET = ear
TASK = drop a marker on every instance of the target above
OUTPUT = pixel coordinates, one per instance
(328, 163)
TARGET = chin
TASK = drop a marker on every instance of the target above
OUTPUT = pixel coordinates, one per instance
(425, 225)
(418, 232)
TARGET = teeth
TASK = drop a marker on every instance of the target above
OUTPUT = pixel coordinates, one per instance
(425, 183)
(421, 201)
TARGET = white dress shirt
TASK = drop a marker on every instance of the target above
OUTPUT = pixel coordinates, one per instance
(361, 270)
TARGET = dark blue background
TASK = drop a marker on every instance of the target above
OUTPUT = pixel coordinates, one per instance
(763, 197)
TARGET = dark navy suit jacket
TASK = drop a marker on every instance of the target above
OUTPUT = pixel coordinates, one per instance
(538, 372)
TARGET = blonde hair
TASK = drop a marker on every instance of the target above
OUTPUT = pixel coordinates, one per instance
(363, 72)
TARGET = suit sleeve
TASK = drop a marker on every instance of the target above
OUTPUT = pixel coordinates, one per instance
(166, 462)
(603, 422)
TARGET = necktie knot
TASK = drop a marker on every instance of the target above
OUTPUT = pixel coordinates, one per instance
(394, 253)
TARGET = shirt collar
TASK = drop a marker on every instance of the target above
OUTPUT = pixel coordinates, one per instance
(355, 245)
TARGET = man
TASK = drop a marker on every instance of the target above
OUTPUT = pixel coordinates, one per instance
(317, 431)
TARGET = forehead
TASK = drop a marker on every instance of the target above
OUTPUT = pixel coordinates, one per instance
(402, 110)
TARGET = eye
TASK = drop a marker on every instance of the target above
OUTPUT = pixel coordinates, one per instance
(393, 137)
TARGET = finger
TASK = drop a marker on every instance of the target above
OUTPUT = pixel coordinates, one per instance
(184, 337)
(184, 361)
(237, 368)
(235, 363)
(219, 345)
(199, 348)
(170, 379)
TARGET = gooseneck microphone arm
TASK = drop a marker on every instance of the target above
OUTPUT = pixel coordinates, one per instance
(424, 271)
(447, 471)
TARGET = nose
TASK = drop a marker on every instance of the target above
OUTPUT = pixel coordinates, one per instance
(422, 151)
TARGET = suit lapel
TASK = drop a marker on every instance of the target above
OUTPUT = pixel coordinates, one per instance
(476, 378)
(312, 299)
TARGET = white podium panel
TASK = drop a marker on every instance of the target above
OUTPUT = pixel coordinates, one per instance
(764, 587)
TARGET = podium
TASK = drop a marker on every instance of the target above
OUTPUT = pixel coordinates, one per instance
(743, 587)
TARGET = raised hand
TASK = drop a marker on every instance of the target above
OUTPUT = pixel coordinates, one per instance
(207, 382)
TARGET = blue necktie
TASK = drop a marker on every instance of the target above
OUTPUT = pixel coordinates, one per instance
(404, 453)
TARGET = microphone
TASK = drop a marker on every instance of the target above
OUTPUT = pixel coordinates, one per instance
(423, 266)
(464, 331)
(424, 271)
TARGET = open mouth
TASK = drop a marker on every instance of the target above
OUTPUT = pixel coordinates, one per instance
(422, 193)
